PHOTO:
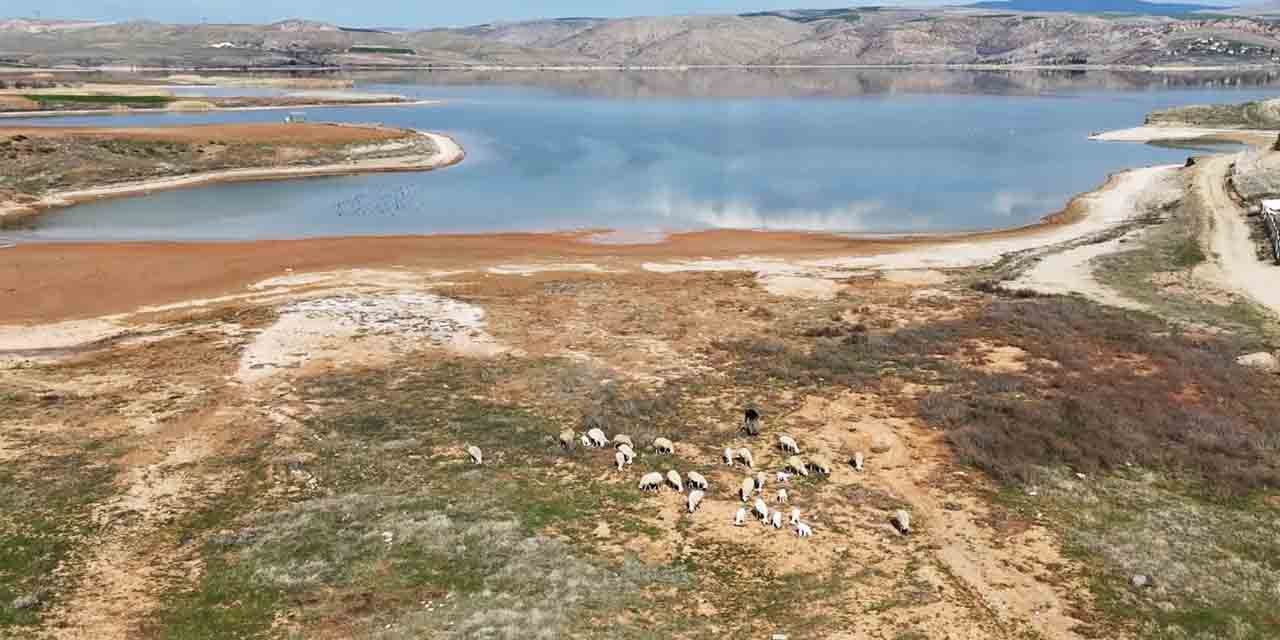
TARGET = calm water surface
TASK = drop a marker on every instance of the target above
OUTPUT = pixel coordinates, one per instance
(843, 151)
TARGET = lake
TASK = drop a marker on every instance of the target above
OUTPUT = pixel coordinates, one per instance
(842, 150)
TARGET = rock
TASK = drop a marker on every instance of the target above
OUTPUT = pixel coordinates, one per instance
(29, 601)
(881, 445)
(902, 522)
(1140, 581)
(1262, 361)
(951, 506)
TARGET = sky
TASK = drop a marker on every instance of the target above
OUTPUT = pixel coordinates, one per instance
(402, 13)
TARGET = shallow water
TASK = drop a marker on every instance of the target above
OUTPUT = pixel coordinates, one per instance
(877, 151)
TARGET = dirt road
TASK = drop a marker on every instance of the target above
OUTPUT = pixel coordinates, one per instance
(1235, 263)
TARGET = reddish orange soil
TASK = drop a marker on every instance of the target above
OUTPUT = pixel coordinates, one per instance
(266, 133)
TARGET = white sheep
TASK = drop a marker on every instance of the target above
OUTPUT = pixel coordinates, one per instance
(795, 464)
(902, 522)
(803, 530)
(651, 481)
(820, 466)
(586, 442)
(748, 488)
(795, 515)
(782, 476)
(759, 481)
(696, 480)
(566, 439)
(788, 444)
(782, 495)
(744, 454)
(621, 439)
(695, 497)
(673, 479)
(740, 518)
(628, 453)
(776, 519)
(620, 458)
(663, 445)
(762, 510)
(857, 461)
(475, 454)
(598, 438)
(728, 456)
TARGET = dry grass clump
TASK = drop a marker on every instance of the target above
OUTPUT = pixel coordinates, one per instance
(1213, 570)
(1105, 390)
(1102, 389)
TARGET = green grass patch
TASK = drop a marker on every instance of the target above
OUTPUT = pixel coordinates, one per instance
(45, 505)
(107, 99)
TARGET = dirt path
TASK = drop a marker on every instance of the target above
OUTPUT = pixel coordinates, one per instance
(1069, 271)
(1235, 266)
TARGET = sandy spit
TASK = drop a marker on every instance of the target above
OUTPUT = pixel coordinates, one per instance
(449, 153)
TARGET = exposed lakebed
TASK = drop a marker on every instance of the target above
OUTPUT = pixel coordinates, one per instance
(907, 154)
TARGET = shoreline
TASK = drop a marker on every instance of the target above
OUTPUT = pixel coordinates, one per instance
(50, 282)
(622, 67)
(448, 153)
(1148, 133)
(50, 113)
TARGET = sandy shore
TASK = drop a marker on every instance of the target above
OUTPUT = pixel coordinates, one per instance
(1162, 133)
(448, 153)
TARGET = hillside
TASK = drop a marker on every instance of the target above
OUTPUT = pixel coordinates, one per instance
(829, 37)
(1138, 7)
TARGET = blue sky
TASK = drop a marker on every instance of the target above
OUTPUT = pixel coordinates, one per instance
(402, 13)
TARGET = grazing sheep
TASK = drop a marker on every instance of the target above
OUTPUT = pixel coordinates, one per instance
(651, 481)
(628, 452)
(586, 442)
(673, 479)
(620, 458)
(776, 519)
(748, 488)
(696, 480)
(663, 445)
(857, 461)
(820, 466)
(782, 494)
(744, 454)
(475, 454)
(759, 481)
(795, 464)
(762, 510)
(566, 439)
(795, 515)
(695, 498)
(902, 522)
(803, 530)
(751, 422)
(597, 438)
(782, 476)
(740, 518)
(621, 439)
(729, 456)
(788, 444)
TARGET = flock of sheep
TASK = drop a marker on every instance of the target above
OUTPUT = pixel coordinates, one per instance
(698, 486)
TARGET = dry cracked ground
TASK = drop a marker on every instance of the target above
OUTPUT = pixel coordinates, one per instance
(288, 462)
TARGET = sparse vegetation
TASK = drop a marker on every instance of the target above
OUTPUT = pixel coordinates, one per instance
(61, 100)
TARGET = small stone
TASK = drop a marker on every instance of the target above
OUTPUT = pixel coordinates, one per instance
(1261, 361)
(952, 506)
(29, 601)
(1140, 581)
(1081, 476)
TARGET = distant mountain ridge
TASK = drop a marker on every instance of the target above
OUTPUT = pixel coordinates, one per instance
(1013, 32)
